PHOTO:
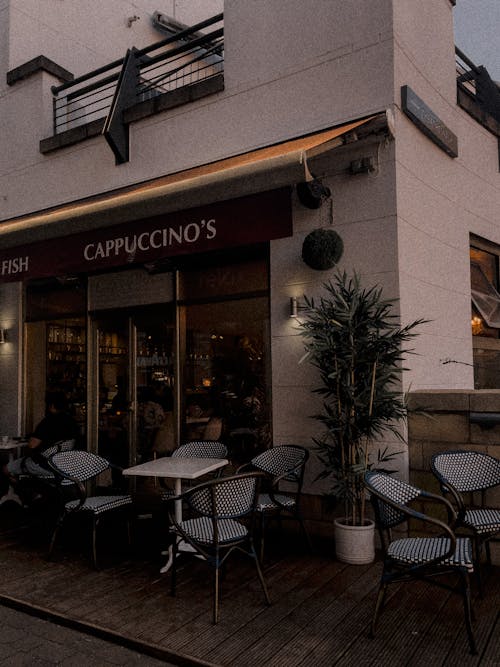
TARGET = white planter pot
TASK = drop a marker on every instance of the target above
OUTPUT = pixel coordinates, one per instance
(355, 544)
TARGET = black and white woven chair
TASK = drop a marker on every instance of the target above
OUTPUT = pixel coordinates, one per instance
(417, 558)
(79, 468)
(283, 465)
(202, 449)
(222, 513)
(37, 484)
(462, 474)
(48, 475)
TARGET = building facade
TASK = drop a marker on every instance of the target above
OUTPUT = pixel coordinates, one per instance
(157, 185)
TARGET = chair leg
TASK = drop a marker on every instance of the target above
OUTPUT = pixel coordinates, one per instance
(468, 611)
(173, 576)
(54, 535)
(262, 532)
(305, 533)
(378, 606)
(216, 596)
(488, 551)
(95, 521)
(253, 554)
(129, 531)
(477, 564)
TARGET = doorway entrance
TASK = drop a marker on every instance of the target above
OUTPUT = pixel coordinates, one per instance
(134, 376)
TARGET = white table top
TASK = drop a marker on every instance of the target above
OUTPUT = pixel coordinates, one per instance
(13, 443)
(176, 468)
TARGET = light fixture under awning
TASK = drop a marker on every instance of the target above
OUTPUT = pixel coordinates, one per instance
(485, 297)
(256, 171)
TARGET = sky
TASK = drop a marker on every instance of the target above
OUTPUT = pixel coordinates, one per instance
(477, 32)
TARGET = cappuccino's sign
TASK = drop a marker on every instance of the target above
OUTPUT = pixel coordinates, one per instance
(235, 222)
(164, 237)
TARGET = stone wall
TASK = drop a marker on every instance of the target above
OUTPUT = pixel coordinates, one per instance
(447, 422)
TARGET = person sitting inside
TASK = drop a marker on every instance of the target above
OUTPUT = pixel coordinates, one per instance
(57, 425)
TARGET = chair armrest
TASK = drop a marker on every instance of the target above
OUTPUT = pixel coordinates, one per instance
(447, 487)
(283, 477)
(446, 528)
(245, 467)
(60, 476)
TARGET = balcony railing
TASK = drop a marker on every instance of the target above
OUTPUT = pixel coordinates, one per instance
(177, 61)
(478, 94)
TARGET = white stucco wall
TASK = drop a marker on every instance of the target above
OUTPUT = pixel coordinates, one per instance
(362, 210)
(81, 35)
(440, 200)
(283, 78)
(4, 40)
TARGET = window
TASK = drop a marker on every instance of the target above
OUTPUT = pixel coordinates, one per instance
(484, 291)
(485, 314)
(224, 328)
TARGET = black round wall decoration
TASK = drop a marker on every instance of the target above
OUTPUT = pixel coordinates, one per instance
(322, 249)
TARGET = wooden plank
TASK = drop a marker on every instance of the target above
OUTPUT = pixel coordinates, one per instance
(491, 653)
(320, 613)
(486, 612)
(401, 625)
(330, 619)
(237, 592)
(239, 630)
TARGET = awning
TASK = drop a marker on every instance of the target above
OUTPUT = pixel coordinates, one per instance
(240, 221)
(253, 172)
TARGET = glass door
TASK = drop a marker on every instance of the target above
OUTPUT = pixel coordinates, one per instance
(114, 390)
(155, 424)
(134, 384)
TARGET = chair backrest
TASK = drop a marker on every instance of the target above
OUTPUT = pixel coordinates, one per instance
(203, 449)
(61, 446)
(78, 465)
(389, 497)
(286, 461)
(228, 497)
(213, 429)
(466, 471)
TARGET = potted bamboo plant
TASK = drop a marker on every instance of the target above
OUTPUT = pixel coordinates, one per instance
(352, 336)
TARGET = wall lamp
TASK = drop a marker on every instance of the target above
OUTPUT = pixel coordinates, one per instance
(3, 336)
(296, 306)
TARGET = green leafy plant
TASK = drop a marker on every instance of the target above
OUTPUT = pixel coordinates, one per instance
(352, 336)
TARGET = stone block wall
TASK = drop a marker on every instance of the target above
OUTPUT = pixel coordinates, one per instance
(441, 420)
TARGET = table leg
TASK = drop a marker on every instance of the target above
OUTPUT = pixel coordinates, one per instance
(178, 516)
(11, 494)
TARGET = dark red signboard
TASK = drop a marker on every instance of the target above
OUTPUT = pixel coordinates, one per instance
(226, 224)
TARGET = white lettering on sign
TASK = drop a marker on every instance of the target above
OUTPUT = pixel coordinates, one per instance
(14, 265)
(158, 238)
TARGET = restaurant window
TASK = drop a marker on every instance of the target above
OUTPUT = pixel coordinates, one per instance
(56, 347)
(485, 314)
(224, 333)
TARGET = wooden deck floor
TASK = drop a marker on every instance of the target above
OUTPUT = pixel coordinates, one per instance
(320, 613)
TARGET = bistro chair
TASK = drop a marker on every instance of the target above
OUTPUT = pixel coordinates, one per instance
(282, 465)
(202, 449)
(418, 558)
(48, 475)
(222, 513)
(469, 472)
(36, 484)
(79, 468)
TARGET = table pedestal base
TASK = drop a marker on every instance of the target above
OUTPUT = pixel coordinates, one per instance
(12, 496)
